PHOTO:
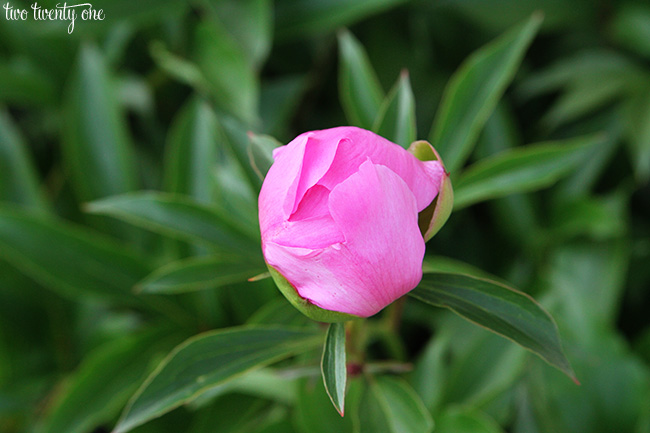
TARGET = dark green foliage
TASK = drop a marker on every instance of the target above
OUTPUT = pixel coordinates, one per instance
(131, 156)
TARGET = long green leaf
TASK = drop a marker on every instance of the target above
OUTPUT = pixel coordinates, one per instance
(207, 360)
(178, 217)
(333, 366)
(18, 180)
(474, 90)
(359, 90)
(236, 140)
(249, 23)
(197, 164)
(297, 18)
(199, 273)
(280, 100)
(498, 308)
(396, 118)
(522, 169)
(96, 146)
(179, 68)
(223, 63)
(448, 265)
(638, 133)
(235, 196)
(457, 420)
(103, 383)
(71, 260)
(192, 151)
(390, 405)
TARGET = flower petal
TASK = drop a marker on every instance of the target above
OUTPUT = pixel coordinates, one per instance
(380, 259)
(423, 178)
(298, 166)
(312, 233)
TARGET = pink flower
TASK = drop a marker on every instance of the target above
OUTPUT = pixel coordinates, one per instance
(339, 220)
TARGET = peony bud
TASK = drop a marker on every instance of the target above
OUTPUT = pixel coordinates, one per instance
(344, 215)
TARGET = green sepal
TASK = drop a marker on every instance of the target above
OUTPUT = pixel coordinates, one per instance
(304, 306)
(434, 216)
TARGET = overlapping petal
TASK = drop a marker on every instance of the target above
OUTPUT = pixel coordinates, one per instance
(339, 219)
(381, 255)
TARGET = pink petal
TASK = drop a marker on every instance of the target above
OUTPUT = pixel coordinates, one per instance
(380, 258)
(317, 156)
(296, 169)
(313, 204)
(356, 144)
(312, 233)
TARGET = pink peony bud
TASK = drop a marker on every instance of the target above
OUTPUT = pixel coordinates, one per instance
(339, 215)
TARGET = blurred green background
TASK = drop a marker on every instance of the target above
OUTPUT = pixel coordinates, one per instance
(179, 97)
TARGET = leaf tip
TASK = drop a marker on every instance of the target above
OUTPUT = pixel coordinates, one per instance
(89, 207)
(537, 17)
(259, 277)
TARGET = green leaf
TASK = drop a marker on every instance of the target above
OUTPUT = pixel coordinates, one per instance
(569, 72)
(480, 367)
(587, 80)
(522, 169)
(333, 366)
(97, 149)
(396, 118)
(23, 83)
(278, 312)
(71, 260)
(235, 196)
(250, 24)
(298, 18)
(260, 153)
(191, 151)
(638, 133)
(237, 141)
(597, 217)
(359, 90)
(630, 27)
(474, 91)
(500, 309)
(500, 134)
(199, 273)
(280, 99)
(390, 405)
(198, 164)
(430, 370)
(178, 217)
(177, 67)
(314, 412)
(466, 421)
(613, 397)
(232, 80)
(208, 360)
(234, 413)
(18, 179)
(432, 264)
(265, 383)
(594, 274)
(586, 95)
(135, 13)
(103, 383)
